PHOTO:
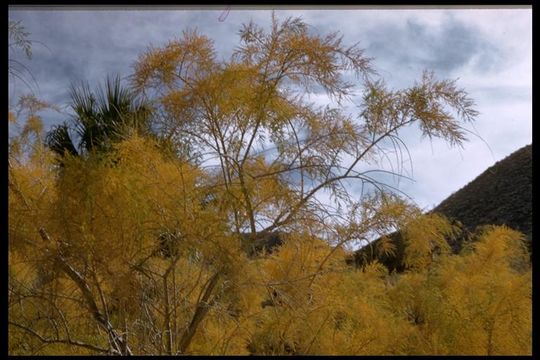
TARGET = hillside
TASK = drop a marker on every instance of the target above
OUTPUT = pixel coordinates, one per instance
(501, 195)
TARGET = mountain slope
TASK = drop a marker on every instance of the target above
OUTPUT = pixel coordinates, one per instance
(501, 195)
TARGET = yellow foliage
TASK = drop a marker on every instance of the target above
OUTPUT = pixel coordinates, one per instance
(477, 303)
(105, 217)
(425, 237)
(135, 252)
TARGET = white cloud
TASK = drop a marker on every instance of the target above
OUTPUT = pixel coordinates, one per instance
(490, 50)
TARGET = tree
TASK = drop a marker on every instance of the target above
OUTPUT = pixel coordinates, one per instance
(275, 150)
(476, 303)
(100, 121)
(18, 40)
(25, 137)
(86, 256)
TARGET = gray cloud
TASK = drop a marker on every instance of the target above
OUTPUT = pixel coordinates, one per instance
(88, 45)
(445, 49)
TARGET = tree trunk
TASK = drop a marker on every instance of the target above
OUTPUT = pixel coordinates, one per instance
(200, 312)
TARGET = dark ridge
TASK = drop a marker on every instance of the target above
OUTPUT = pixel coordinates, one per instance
(501, 195)
(261, 242)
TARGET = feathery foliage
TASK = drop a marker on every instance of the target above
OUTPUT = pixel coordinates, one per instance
(137, 252)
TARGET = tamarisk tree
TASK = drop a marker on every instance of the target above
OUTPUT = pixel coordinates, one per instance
(272, 150)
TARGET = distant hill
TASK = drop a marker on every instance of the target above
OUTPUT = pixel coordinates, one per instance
(501, 195)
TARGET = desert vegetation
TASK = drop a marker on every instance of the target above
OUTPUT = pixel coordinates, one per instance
(138, 225)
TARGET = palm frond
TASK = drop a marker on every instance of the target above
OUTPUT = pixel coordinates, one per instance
(59, 140)
(106, 116)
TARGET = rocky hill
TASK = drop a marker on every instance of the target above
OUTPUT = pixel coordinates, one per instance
(501, 195)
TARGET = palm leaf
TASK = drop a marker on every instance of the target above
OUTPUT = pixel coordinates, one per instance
(59, 140)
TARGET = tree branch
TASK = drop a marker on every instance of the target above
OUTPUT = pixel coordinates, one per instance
(58, 341)
(202, 309)
(116, 340)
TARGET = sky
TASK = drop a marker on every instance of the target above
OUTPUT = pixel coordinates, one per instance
(488, 51)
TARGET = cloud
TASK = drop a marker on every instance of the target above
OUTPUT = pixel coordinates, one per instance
(445, 48)
(489, 50)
